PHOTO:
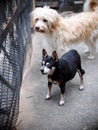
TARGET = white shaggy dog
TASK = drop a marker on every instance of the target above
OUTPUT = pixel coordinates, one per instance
(70, 30)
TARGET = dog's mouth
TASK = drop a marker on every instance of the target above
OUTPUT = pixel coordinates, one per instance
(41, 31)
(43, 73)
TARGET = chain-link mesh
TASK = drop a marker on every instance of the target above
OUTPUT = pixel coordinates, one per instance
(15, 34)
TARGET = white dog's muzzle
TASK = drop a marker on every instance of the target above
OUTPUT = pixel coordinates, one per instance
(40, 27)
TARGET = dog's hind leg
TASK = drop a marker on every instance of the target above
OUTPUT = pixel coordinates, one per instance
(81, 73)
(61, 103)
(62, 87)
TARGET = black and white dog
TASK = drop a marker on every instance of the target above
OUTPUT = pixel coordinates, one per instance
(61, 70)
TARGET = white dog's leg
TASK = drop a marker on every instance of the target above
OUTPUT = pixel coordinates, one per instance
(92, 49)
(62, 101)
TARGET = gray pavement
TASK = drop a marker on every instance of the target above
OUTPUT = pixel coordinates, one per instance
(80, 111)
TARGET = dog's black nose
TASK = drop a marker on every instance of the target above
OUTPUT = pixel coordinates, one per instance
(37, 28)
(42, 71)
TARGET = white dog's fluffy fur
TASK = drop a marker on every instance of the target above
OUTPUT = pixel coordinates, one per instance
(69, 30)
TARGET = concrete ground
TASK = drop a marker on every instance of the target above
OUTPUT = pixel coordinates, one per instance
(80, 111)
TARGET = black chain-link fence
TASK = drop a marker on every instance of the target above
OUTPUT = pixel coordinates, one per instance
(15, 39)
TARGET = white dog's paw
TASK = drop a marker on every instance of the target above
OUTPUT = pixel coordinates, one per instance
(87, 51)
(81, 87)
(90, 57)
(61, 103)
(48, 97)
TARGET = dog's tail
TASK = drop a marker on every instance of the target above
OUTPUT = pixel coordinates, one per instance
(90, 5)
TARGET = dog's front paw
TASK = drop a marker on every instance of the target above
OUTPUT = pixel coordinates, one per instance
(81, 87)
(61, 103)
(48, 97)
(87, 51)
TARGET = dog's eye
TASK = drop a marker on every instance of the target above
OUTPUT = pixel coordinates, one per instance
(45, 20)
(36, 19)
(47, 63)
(42, 63)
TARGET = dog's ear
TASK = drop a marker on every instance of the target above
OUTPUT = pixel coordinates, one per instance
(33, 16)
(54, 55)
(32, 19)
(53, 22)
(44, 53)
